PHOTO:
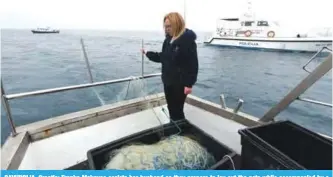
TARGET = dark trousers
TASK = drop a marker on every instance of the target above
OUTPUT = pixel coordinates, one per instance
(175, 98)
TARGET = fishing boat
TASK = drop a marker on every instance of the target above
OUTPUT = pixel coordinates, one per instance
(44, 30)
(250, 32)
(69, 141)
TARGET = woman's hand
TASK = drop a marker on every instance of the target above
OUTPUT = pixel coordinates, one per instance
(187, 90)
(143, 51)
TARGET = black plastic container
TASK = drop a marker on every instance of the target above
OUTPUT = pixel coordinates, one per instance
(80, 166)
(284, 145)
(98, 157)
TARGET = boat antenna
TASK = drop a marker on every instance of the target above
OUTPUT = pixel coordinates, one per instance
(185, 10)
(249, 12)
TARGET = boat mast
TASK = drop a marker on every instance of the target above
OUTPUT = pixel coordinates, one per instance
(249, 12)
(185, 10)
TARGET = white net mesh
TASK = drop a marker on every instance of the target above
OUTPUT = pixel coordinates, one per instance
(172, 153)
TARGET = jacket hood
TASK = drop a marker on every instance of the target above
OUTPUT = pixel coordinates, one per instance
(187, 36)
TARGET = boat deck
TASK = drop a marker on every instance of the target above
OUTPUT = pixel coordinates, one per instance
(71, 148)
(63, 142)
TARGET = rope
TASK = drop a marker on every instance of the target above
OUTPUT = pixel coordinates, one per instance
(144, 89)
(222, 161)
(232, 161)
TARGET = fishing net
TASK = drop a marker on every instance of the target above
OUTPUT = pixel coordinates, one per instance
(172, 153)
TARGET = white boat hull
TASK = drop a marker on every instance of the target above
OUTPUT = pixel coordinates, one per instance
(284, 44)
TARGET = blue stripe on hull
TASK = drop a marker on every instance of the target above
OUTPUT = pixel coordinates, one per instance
(259, 48)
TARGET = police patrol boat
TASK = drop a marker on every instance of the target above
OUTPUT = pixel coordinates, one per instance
(250, 32)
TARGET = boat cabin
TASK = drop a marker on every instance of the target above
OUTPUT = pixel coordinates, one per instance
(245, 27)
(254, 23)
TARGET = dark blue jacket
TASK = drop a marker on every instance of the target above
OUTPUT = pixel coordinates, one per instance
(179, 60)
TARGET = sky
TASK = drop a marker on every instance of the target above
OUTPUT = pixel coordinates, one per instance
(148, 14)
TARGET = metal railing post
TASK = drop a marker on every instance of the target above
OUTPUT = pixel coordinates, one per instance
(142, 59)
(222, 100)
(5, 104)
(239, 105)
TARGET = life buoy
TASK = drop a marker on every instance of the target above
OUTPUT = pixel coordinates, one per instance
(248, 33)
(270, 34)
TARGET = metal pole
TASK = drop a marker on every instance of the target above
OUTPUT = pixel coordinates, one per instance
(73, 87)
(143, 57)
(7, 109)
(306, 83)
(314, 102)
(89, 72)
(87, 61)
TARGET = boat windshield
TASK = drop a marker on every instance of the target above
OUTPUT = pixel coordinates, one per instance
(262, 23)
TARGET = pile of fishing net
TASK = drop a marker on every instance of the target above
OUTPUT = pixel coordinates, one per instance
(172, 153)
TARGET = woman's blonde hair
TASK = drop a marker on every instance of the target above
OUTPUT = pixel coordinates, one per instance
(177, 23)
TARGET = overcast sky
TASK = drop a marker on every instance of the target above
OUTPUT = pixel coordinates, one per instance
(147, 14)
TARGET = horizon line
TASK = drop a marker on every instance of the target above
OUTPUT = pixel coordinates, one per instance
(101, 29)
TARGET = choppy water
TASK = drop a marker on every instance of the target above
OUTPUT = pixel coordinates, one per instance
(261, 78)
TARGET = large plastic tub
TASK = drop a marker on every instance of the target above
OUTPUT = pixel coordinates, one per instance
(80, 166)
(284, 145)
(99, 156)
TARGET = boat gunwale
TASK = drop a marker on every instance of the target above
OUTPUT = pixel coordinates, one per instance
(14, 149)
(69, 122)
(46, 128)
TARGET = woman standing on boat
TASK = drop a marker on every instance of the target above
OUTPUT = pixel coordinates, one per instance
(179, 61)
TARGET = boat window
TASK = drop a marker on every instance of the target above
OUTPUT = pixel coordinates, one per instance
(262, 23)
(248, 23)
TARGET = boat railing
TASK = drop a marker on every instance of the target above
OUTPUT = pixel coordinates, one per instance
(5, 98)
(305, 69)
(314, 57)
(322, 69)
